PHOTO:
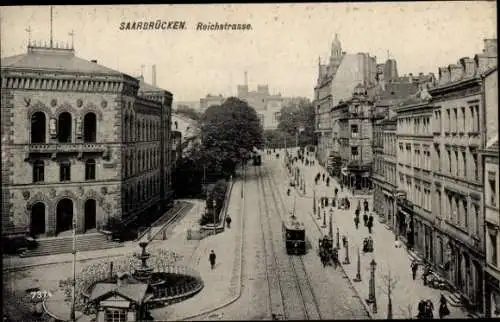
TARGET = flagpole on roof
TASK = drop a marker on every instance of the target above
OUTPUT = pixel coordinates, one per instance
(51, 39)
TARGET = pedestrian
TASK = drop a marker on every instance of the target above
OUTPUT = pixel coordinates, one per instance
(365, 218)
(443, 307)
(326, 201)
(228, 221)
(333, 202)
(370, 219)
(370, 226)
(414, 269)
(211, 258)
(429, 312)
(356, 221)
(336, 191)
(356, 212)
(365, 204)
(342, 187)
(421, 310)
(323, 177)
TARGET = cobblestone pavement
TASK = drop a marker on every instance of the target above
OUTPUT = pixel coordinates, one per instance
(396, 261)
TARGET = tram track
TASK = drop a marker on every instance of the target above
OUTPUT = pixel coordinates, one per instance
(291, 292)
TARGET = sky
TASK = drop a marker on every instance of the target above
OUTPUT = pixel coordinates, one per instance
(280, 50)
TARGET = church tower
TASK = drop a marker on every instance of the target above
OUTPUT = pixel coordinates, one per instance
(336, 55)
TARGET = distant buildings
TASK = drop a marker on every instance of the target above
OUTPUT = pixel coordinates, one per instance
(211, 100)
(85, 143)
(195, 105)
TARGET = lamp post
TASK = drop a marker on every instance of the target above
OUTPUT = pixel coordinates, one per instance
(358, 272)
(389, 303)
(371, 295)
(243, 169)
(215, 215)
(346, 260)
(338, 238)
(314, 201)
(330, 228)
(324, 220)
(73, 288)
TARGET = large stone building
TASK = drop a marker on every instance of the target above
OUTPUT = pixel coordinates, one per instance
(336, 83)
(490, 197)
(79, 141)
(457, 124)
(413, 216)
(268, 106)
(211, 100)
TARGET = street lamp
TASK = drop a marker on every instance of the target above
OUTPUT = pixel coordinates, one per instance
(215, 215)
(371, 294)
(314, 201)
(346, 260)
(73, 288)
(358, 273)
(330, 229)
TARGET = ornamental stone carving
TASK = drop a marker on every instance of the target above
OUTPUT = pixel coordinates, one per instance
(79, 102)
(27, 101)
(81, 190)
(104, 190)
(26, 195)
(104, 104)
(52, 193)
(53, 102)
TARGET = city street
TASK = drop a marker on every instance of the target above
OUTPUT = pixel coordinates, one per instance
(389, 259)
(273, 291)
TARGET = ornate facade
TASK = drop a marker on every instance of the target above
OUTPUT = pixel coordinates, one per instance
(80, 142)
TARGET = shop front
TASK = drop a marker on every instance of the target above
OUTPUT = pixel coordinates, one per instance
(405, 221)
(492, 295)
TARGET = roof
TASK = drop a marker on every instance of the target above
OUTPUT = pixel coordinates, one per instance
(55, 59)
(132, 292)
(489, 71)
(492, 143)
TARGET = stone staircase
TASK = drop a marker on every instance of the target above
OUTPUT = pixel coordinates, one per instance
(453, 299)
(62, 245)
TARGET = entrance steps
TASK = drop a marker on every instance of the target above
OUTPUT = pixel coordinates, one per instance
(63, 245)
(454, 299)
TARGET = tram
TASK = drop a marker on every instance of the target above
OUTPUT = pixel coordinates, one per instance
(294, 234)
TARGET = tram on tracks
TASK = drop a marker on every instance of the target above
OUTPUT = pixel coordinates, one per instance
(294, 234)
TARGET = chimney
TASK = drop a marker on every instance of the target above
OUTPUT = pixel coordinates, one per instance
(455, 72)
(246, 79)
(468, 66)
(153, 75)
(444, 75)
(94, 61)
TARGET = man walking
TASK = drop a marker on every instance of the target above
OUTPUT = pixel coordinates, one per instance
(414, 269)
(228, 221)
(211, 258)
(356, 221)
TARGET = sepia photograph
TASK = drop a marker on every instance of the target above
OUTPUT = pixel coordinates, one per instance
(280, 161)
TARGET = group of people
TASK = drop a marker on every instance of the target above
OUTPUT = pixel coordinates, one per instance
(426, 309)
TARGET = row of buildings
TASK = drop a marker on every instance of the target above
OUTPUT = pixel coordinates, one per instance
(80, 142)
(429, 149)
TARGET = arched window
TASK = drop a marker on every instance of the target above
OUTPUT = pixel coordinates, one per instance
(64, 127)
(125, 128)
(65, 170)
(90, 169)
(38, 125)
(138, 137)
(38, 171)
(89, 127)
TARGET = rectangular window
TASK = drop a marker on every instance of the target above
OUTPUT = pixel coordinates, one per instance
(492, 190)
(38, 171)
(462, 127)
(476, 118)
(464, 162)
(475, 166)
(65, 171)
(449, 161)
(493, 249)
(354, 131)
(115, 316)
(471, 121)
(448, 120)
(90, 169)
(455, 120)
(354, 153)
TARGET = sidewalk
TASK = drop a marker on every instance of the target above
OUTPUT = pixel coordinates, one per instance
(222, 285)
(396, 261)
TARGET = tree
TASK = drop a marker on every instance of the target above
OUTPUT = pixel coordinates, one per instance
(188, 111)
(390, 284)
(228, 133)
(298, 115)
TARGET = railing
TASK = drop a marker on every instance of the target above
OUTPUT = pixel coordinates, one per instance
(66, 147)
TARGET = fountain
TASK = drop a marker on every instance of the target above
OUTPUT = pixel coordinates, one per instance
(142, 289)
